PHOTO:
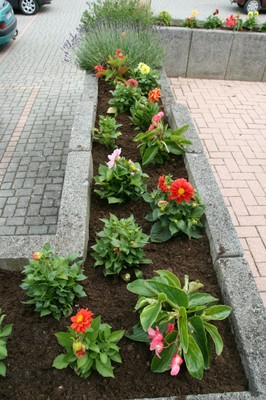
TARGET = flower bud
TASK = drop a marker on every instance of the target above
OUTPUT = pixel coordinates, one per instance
(126, 277)
(36, 256)
(79, 349)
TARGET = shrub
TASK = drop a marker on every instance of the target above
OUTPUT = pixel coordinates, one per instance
(51, 281)
(120, 245)
(101, 41)
(129, 11)
(163, 18)
(177, 319)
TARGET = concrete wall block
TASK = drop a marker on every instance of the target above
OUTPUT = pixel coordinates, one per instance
(209, 54)
(248, 316)
(84, 121)
(177, 42)
(247, 59)
(73, 222)
(90, 92)
(219, 227)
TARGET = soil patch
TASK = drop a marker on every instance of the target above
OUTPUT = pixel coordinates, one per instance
(32, 346)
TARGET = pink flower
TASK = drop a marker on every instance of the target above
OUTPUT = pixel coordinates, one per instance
(152, 334)
(157, 345)
(170, 328)
(157, 117)
(151, 127)
(175, 365)
(131, 82)
(114, 157)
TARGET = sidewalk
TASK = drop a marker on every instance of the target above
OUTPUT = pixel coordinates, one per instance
(231, 120)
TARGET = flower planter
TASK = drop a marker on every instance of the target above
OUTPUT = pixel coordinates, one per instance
(215, 54)
(227, 256)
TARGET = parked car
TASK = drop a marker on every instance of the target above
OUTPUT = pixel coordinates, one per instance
(28, 7)
(250, 5)
(8, 22)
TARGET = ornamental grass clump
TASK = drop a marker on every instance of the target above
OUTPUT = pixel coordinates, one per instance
(120, 179)
(175, 321)
(5, 331)
(120, 246)
(159, 141)
(176, 208)
(90, 346)
(52, 282)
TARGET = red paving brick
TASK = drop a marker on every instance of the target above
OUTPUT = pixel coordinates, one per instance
(230, 117)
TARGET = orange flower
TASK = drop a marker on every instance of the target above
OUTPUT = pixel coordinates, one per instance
(154, 95)
(181, 190)
(82, 320)
(162, 185)
(36, 256)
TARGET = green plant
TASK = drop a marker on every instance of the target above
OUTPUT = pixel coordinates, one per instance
(251, 20)
(115, 70)
(120, 245)
(107, 132)
(159, 141)
(120, 180)
(124, 97)
(163, 18)
(191, 22)
(131, 11)
(263, 27)
(142, 112)
(213, 21)
(96, 45)
(176, 207)
(5, 331)
(90, 345)
(182, 318)
(146, 77)
(51, 282)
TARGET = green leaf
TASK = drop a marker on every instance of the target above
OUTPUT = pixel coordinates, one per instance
(149, 314)
(217, 313)
(138, 287)
(175, 297)
(213, 331)
(138, 334)
(183, 328)
(171, 278)
(197, 330)
(6, 330)
(2, 369)
(60, 361)
(116, 357)
(198, 299)
(149, 154)
(3, 350)
(116, 336)
(64, 338)
(194, 359)
(160, 231)
(94, 347)
(164, 363)
(105, 370)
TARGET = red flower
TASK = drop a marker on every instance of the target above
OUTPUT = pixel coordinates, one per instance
(162, 185)
(117, 52)
(99, 68)
(82, 320)
(154, 95)
(230, 21)
(181, 190)
(170, 328)
(131, 82)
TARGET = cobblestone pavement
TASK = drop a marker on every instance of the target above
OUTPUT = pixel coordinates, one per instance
(181, 9)
(231, 120)
(38, 98)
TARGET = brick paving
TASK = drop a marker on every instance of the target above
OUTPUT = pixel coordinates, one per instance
(38, 98)
(231, 120)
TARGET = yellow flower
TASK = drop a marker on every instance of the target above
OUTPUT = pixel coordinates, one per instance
(250, 14)
(194, 13)
(256, 13)
(144, 68)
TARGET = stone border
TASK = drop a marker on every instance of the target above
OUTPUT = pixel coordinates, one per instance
(215, 54)
(234, 276)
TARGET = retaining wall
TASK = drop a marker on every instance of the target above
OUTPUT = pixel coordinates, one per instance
(215, 54)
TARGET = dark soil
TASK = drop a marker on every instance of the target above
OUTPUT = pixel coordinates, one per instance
(32, 345)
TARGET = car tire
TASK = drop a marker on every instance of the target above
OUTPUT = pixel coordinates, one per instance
(28, 7)
(251, 6)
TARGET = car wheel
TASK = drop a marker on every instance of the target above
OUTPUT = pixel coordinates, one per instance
(29, 7)
(252, 5)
